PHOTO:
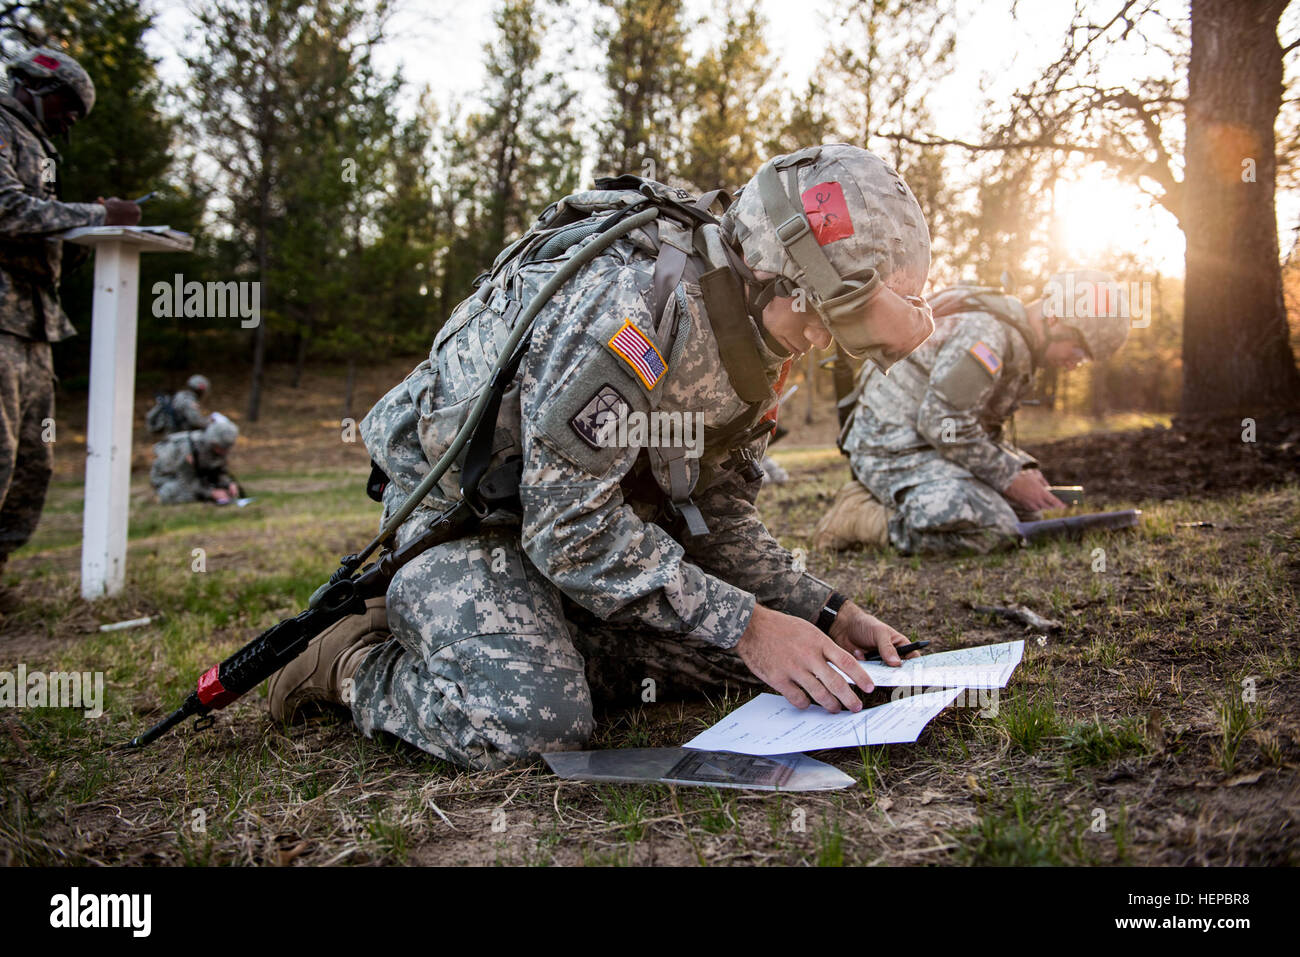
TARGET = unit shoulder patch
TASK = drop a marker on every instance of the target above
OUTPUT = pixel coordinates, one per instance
(632, 346)
(597, 421)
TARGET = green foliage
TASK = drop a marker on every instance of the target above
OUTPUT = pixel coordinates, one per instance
(719, 814)
(625, 805)
(1094, 743)
(733, 108)
(647, 78)
(1028, 720)
(1019, 832)
(516, 155)
(830, 844)
(1236, 719)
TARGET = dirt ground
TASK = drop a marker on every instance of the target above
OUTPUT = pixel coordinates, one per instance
(1192, 458)
(1159, 724)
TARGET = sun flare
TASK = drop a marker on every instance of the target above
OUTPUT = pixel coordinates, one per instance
(1099, 216)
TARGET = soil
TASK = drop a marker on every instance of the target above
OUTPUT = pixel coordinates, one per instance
(1194, 458)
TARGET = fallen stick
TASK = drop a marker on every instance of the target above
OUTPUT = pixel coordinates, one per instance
(1021, 614)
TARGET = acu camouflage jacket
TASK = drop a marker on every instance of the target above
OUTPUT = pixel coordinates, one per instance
(940, 412)
(591, 506)
(31, 261)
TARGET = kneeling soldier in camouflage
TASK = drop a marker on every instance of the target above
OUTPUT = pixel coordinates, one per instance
(191, 466)
(180, 412)
(933, 473)
(638, 560)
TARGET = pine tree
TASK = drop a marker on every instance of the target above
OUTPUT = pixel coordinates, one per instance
(646, 74)
(279, 92)
(526, 138)
(733, 102)
(505, 164)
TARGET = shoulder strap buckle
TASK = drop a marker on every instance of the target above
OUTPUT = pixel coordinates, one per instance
(793, 229)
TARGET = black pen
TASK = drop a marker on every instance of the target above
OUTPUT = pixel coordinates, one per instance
(902, 650)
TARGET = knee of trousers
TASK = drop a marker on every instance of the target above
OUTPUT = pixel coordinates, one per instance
(487, 635)
(175, 493)
(520, 709)
(482, 702)
(963, 513)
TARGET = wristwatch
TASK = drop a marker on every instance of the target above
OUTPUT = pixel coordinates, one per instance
(830, 611)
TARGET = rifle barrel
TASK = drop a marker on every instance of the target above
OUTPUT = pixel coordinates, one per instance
(1077, 525)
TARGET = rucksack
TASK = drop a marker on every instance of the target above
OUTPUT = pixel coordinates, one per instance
(970, 298)
(566, 222)
(162, 417)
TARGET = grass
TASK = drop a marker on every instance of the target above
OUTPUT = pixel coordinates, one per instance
(1172, 626)
(1018, 829)
(1237, 718)
(830, 844)
(1093, 743)
(1028, 721)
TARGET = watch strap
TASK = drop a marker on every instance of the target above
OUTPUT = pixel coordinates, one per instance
(830, 611)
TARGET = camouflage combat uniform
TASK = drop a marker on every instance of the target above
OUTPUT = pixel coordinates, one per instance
(185, 408)
(501, 640)
(31, 317)
(926, 440)
(174, 475)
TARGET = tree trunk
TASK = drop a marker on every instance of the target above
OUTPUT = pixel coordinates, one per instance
(351, 386)
(299, 356)
(259, 334)
(1236, 354)
(810, 383)
(1098, 393)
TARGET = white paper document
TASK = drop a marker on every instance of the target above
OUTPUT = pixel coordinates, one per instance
(769, 724)
(988, 666)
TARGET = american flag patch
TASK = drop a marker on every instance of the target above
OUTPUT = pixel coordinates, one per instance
(987, 357)
(640, 353)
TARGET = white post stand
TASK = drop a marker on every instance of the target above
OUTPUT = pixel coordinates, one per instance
(112, 394)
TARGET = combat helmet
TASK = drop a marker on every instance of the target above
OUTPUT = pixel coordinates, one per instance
(220, 432)
(1092, 303)
(42, 69)
(198, 383)
(839, 223)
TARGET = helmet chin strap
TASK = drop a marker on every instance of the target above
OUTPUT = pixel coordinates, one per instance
(38, 108)
(38, 101)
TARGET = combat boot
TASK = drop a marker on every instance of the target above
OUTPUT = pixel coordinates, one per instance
(323, 673)
(854, 518)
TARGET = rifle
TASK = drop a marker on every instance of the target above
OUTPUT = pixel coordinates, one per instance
(1077, 526)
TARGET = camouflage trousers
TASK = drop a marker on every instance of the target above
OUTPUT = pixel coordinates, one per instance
(26, 461)
(490, 664)
(180, 490)
(943, 510)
